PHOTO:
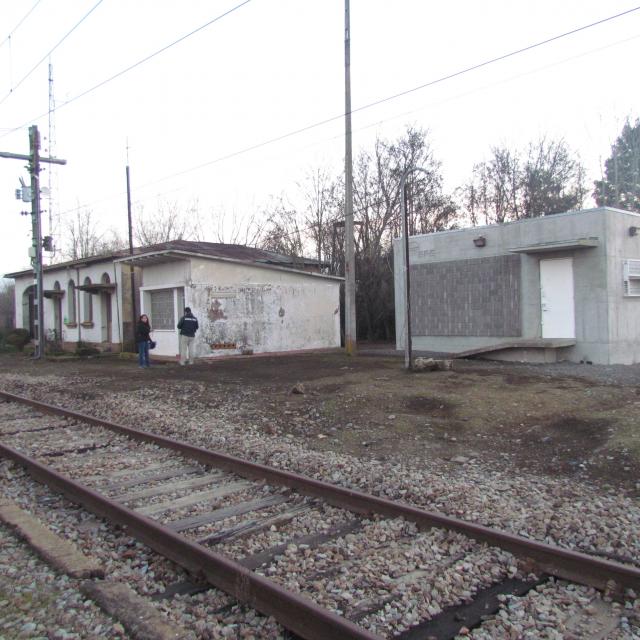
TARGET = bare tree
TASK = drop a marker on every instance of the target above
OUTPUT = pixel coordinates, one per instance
(219, 226)
(377, 205)
(7, 304)
(322, 197)
(546, 178)
(282, 231)
(169, 221)
(83, 238)
(553, 179)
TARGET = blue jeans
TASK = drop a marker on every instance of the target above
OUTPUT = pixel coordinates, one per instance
(143, 353)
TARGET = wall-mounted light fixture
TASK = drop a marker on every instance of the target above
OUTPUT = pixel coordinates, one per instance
(633, 231)
(480, 241)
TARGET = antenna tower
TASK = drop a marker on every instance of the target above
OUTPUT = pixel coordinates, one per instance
(52, 136)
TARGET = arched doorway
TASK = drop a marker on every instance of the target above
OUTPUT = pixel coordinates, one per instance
(105, 311)
(29, 310)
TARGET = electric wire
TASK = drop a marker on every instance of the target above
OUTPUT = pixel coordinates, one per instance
(135, 64)
(8, 38)
(431, 83)
(320, 123)
(500, 58)
(12, 90)
(358, 109)
(367, 126)
(480, 89)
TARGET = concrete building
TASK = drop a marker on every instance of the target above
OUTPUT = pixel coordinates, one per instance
(559, 287)
(245, 299)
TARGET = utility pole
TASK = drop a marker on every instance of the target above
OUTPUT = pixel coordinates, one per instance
(134, 317)
(36, 225)
(34, 161)
(349, 243)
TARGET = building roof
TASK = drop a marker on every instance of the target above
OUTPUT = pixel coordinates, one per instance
(210, 249)
(538, 220)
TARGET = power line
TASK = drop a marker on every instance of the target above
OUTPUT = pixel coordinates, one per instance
(75, 26)
(373, 124)
(320, 123)
(431, 83)
(8, 38)
(483, 88)
(136, 64)
(505, 56)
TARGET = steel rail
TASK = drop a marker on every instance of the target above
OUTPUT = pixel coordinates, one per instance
(563, 563)
(295, 612)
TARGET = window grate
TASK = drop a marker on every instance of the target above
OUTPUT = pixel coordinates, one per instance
(162, 311)
(631, 276)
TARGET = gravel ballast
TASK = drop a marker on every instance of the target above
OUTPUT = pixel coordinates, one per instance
(575, 515)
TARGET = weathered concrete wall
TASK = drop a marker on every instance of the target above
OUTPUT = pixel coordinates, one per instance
(82, 329)
(167, 274)
(624, 312)
(263, 309)
(244, 306)
(590, 278)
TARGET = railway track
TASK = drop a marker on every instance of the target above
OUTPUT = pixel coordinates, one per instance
(325, 561)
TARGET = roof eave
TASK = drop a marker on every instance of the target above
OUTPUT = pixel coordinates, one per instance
(194, 254)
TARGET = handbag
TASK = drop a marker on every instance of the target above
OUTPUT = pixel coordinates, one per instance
(152, 344)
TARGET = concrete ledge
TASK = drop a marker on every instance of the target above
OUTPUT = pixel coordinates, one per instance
(57, 551)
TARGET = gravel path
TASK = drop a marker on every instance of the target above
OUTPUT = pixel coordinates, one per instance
(37, 603)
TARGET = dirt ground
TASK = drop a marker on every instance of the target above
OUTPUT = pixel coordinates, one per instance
(557, 420)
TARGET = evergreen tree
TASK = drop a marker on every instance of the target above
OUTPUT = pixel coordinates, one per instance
(621, 185)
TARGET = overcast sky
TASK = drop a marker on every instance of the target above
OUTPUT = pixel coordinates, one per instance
(272, 67)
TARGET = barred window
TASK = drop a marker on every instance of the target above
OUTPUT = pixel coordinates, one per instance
(162, 312)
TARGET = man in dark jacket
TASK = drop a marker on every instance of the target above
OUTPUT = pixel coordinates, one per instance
(188, 326)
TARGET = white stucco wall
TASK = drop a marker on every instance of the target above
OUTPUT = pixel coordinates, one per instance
(80, 330)
(240, 305)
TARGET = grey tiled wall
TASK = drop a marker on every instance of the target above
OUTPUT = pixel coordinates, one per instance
(478, 297)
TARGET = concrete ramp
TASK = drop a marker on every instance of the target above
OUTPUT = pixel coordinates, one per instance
(531, 343)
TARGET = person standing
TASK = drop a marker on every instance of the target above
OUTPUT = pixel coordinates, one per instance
(143, 329)
(188, 326)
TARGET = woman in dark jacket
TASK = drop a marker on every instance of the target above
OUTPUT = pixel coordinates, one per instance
(142, 339)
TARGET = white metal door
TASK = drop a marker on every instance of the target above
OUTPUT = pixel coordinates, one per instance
(556, 298)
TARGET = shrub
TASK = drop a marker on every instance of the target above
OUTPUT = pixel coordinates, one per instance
(84, 349)
(18, 338)
(54, 348)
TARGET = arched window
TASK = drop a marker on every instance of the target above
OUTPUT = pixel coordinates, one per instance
(87, 303)
(71, 302)
(105, 279)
